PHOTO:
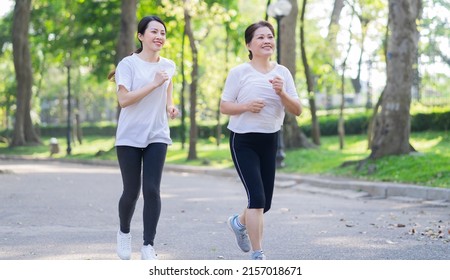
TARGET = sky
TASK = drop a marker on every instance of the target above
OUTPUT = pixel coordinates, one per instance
(5, 6)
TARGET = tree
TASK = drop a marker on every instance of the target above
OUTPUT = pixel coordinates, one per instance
(125, 43)
(341, 121)
(182, 91)
(292, 134)
(192, 153)
(24, 132)
(309, 79)
(333, 26)
(392, 128)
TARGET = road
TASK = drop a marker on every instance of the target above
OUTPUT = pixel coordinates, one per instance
(65, 211)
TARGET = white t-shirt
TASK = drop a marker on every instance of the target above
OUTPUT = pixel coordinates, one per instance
(244, 83)
(146, 121)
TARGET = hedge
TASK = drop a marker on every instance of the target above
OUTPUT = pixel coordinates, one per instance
(355, 124)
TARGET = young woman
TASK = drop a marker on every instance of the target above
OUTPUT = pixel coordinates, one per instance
(255, 95)
(144, 92)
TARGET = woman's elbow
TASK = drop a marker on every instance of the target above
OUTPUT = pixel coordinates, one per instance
(297, 110)
(123, 97)
(122, 103)
(223, 108)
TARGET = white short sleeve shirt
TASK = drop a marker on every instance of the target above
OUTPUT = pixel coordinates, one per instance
(146, 121)
(244, 83)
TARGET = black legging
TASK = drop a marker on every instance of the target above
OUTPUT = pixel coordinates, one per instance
(151, 161)
(254, 157)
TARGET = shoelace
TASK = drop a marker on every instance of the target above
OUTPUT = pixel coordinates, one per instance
(260, 256)
(125, 242)
(150, 251)
(243, 233)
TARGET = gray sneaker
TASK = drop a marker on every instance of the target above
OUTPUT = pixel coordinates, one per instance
(241, 235)
(258, 255)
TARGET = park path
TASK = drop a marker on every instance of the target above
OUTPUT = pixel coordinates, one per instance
(63, 211)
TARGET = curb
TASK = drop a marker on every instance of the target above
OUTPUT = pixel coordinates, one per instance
(374, 189)
(347, 187)
(332, 184)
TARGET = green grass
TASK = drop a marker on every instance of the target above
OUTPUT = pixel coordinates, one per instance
(430, 166)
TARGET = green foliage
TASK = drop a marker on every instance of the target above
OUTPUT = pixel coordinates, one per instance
(86, 32)
(357, 123)
(5, 33)
(433, 121)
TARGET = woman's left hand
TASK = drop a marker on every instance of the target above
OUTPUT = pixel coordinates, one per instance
(277, 84)
(172, 111)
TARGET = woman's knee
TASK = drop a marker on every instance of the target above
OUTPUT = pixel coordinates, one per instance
(258, 201)
(130, 196)
(151, 192)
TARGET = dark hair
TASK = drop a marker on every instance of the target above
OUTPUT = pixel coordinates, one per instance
(250, 32)
(142, 26)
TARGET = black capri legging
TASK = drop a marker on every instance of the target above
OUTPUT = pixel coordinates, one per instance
(254, 156)
(149, 161)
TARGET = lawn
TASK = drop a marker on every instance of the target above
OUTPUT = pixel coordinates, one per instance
(430, 166)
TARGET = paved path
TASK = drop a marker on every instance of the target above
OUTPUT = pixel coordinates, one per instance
(63, 211)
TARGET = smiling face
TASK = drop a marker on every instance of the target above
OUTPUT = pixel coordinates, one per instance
(154, 36)
(262, 43)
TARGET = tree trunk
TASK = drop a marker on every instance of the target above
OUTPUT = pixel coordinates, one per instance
(392, 128)
(218, 114)
(315, 131)
(292, 134)
(192, 153)
(78, 128)
(357, 81)
(24, 132)
(341, 121)
(372, 120)
(125, 43)
(370, 128)
(182, 96)
(128, 22)
(333, 26)
(266, 17)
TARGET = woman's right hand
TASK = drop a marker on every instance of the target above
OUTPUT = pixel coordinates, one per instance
(160, 78)
(255, 106)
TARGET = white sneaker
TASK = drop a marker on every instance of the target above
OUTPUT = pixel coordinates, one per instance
(148, 253)
(124, 245)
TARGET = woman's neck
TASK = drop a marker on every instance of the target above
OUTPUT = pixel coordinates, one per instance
(149, 56)
(262, 65)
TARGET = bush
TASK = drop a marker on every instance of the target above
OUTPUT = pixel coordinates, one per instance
(354, 124)
(437, 121)
(358, 123)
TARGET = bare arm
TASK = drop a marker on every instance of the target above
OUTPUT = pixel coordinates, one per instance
(172, 111)
(127, 98)
(291, 104)
(231, 108)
